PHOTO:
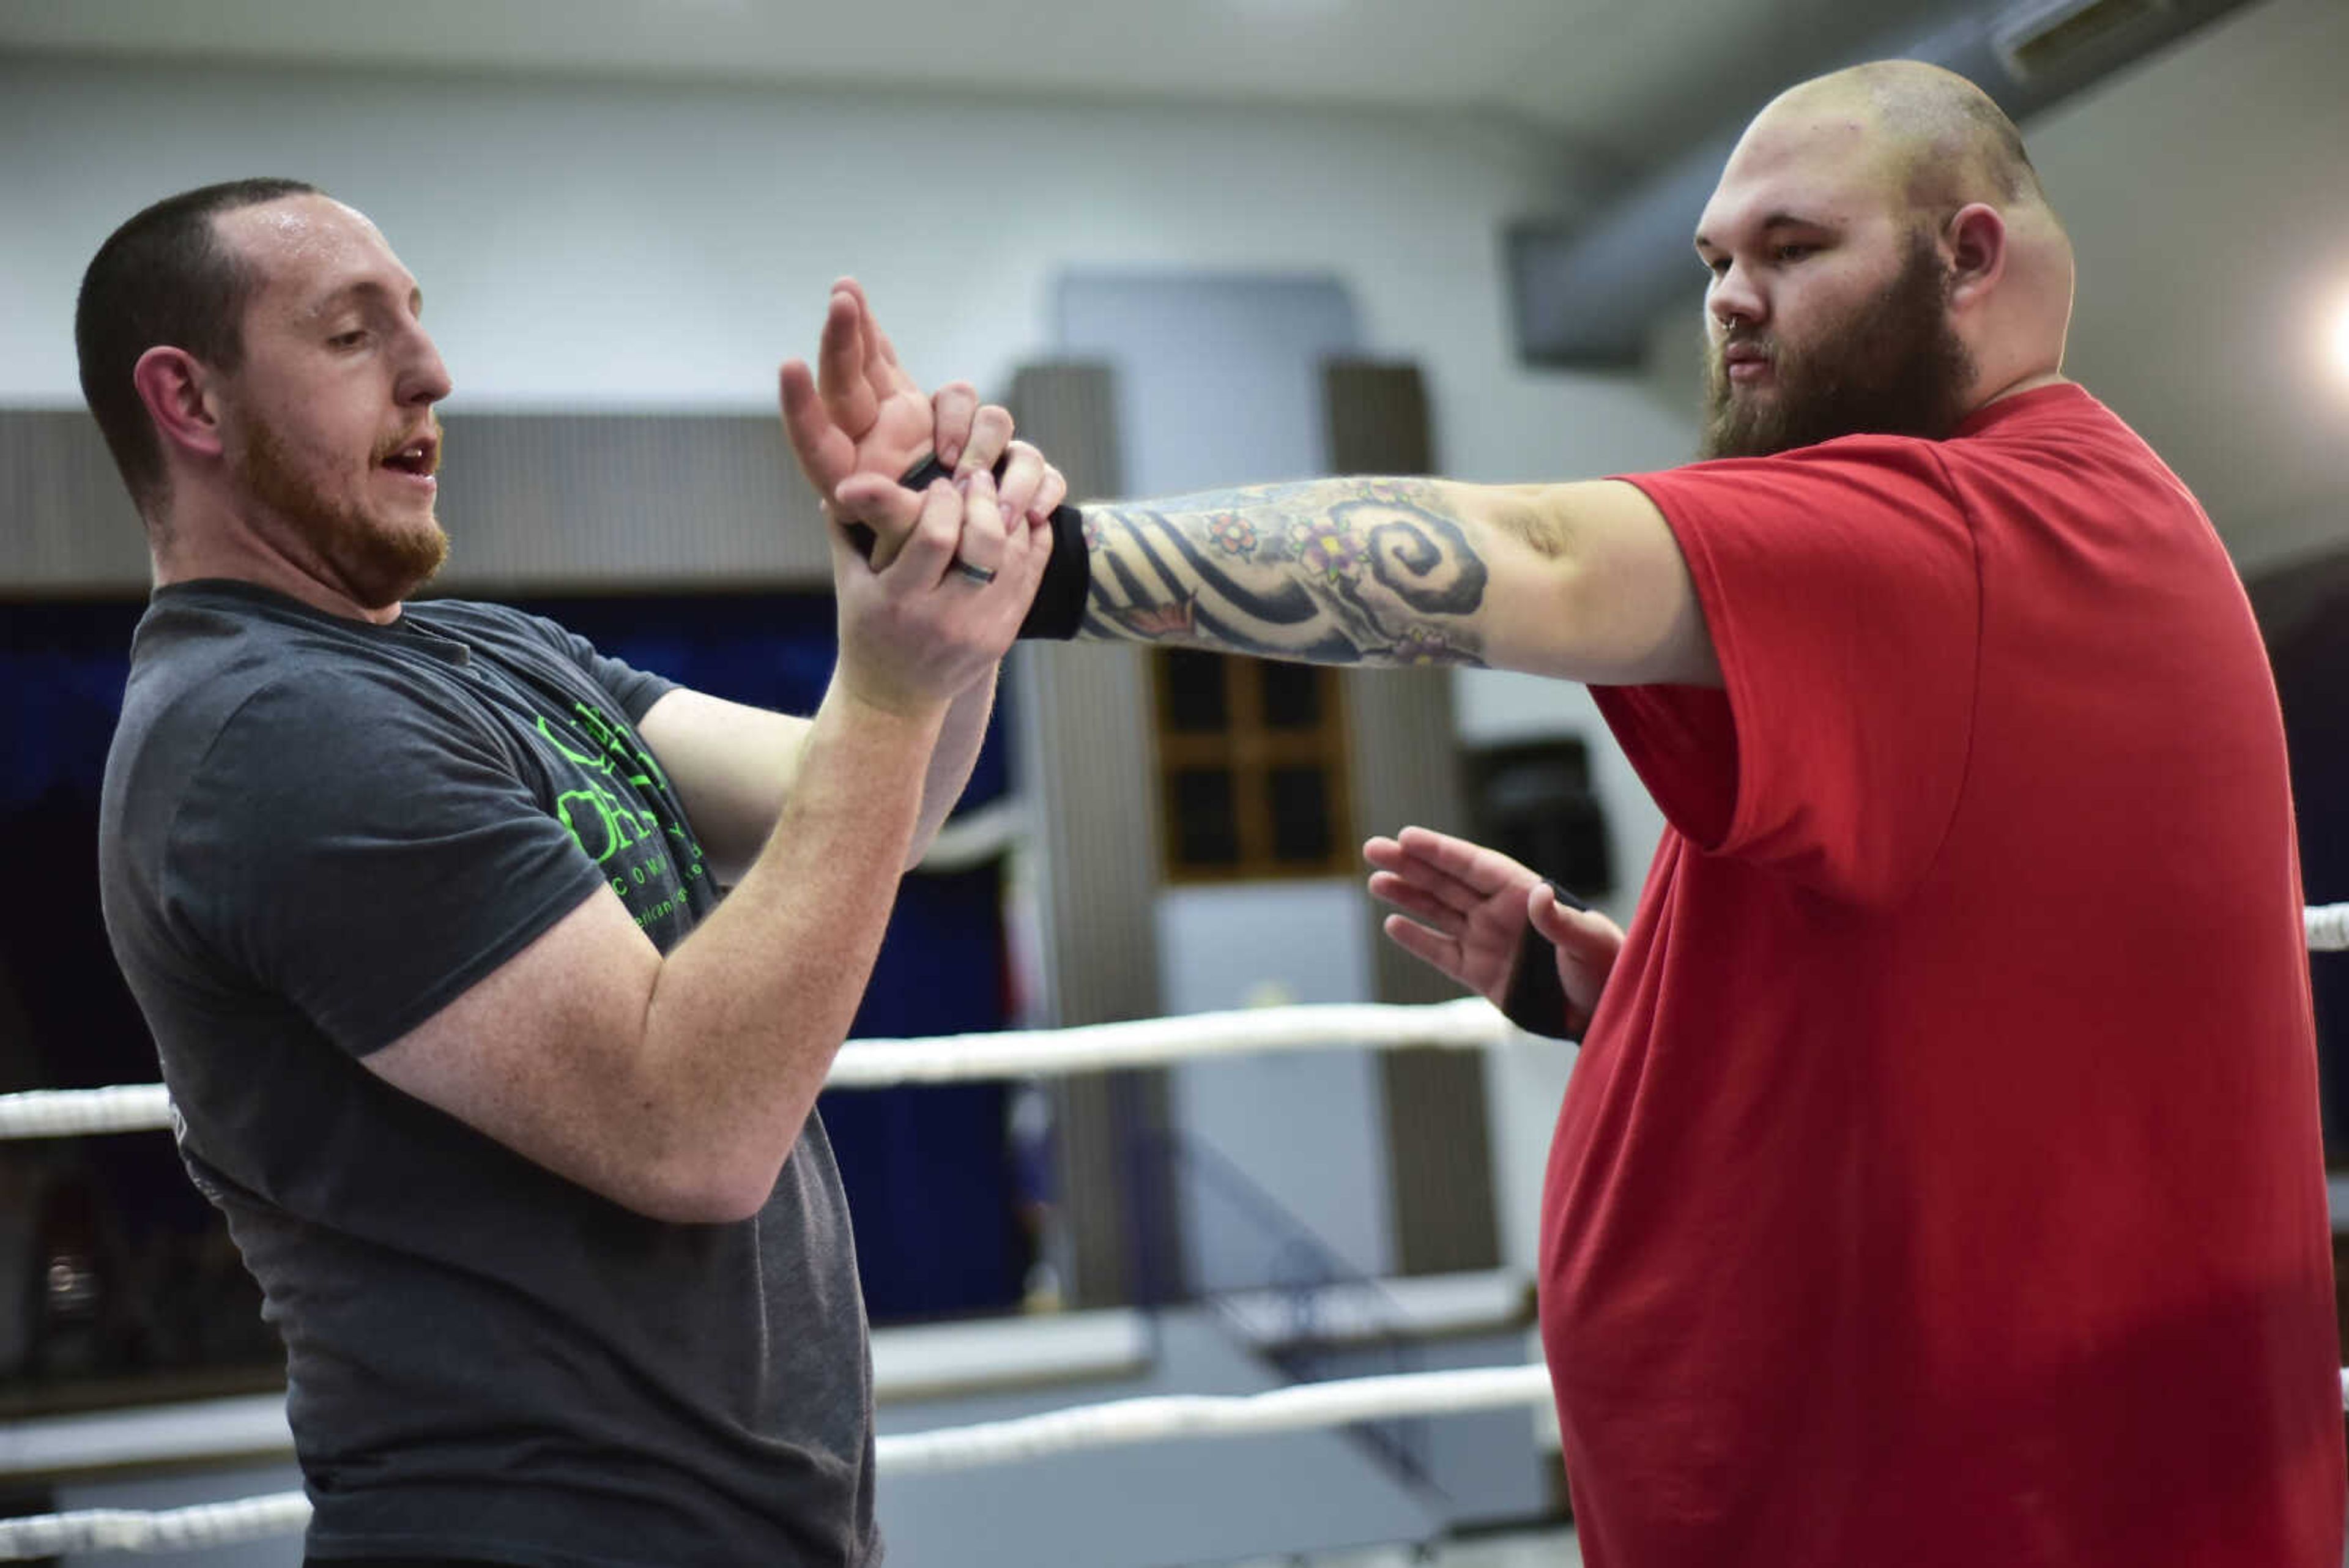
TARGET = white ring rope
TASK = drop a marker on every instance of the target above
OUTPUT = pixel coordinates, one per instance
(1120, 1422)
(871, 1063)
(169, 1529)
(1151, 1420)
(875, 1064)
(63, 1113)
(1466, 1023)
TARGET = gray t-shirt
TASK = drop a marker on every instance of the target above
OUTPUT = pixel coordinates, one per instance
(314, 834)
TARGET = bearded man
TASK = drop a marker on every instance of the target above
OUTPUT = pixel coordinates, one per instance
(511, 1118)
(1940, 1181)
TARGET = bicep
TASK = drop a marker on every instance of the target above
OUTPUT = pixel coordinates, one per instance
(545, 1054)
(1589, 584)
(732, 767)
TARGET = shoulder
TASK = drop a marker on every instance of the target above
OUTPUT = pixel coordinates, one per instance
(203, 670)
(2063, 437)
(1864, 494)
(1829, 467)
(299, 730)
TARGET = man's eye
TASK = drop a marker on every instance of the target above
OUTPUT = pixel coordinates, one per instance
(350, 339)
(1795, 253)
(1717, 266)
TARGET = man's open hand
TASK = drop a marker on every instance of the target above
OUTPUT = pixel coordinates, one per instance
(1465, 908)
(860, 422)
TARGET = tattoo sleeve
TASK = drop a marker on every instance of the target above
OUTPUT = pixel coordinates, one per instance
(1330, 571)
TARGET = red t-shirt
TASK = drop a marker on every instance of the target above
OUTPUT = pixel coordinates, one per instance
(1941, 1182)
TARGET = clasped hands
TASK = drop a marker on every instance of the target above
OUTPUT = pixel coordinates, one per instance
(932, 585)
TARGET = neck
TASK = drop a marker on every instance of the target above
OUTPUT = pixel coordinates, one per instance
(2030, 382)
(207, 545)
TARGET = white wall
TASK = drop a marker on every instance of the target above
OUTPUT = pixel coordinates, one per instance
(1303, 1130)
(596, 245)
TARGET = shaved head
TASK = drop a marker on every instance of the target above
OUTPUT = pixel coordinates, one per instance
(1942, 142)
(1884, 260)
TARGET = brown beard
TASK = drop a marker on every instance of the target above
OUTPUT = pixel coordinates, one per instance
(377, 566)
(1895, 367)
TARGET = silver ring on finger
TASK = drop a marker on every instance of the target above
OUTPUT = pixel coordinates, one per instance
(982, 575)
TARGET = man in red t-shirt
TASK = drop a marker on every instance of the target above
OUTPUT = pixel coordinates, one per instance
(1940, 1181)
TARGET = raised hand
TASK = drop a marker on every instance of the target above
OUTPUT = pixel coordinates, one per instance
(862, 411)
(1465, 909)
(860, 422)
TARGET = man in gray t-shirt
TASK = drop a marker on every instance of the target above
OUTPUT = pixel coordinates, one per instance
(510, 1115)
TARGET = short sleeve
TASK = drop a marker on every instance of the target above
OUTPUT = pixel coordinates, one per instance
(633, 690)
(1841, 589)
(366, 851)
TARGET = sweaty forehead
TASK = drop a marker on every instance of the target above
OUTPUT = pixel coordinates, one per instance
(309, 247)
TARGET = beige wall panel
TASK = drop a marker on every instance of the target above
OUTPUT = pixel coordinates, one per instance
(1439, 1154)
(533, 503)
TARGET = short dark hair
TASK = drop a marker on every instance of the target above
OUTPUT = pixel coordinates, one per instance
(165, 276)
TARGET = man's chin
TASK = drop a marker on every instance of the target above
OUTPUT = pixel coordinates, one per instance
(397, 566)
(1740, 428)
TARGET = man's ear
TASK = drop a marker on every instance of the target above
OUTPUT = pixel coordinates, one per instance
(1975, 241)
(178, 390)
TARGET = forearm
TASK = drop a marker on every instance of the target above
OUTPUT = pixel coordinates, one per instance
(1331, 571)
(951, 760)
(747, 1013)
(732, 767)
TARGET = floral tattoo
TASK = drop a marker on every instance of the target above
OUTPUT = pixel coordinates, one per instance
(1332, 571)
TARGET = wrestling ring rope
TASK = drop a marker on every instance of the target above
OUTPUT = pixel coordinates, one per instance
(872, 1064)
(1469, 1023)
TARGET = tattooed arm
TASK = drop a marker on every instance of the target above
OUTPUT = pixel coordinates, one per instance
(1583, 581)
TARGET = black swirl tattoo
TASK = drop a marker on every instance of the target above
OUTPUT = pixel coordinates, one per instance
(1420, 558)
(1328, 571)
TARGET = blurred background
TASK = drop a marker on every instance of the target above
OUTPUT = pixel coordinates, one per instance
(1191, 243)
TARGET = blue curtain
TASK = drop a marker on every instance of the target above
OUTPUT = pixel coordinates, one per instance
(926, 1170)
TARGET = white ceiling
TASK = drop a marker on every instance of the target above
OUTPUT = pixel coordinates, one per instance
(2204, 188)
(1626, 80)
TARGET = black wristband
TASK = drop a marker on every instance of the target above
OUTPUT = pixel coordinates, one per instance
(929, 470)
(1059, 607)
(1536, 1003)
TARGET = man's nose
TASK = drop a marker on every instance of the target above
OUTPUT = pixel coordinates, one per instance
(424, 380)
(1734, 300)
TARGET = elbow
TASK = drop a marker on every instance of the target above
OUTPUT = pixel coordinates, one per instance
(706, 1186)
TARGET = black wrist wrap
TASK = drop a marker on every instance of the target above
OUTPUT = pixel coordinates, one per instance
(1059, 607)
(1536, 1003)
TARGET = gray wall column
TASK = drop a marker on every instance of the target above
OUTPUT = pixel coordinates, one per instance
(1405, 771)
(1085, 756)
